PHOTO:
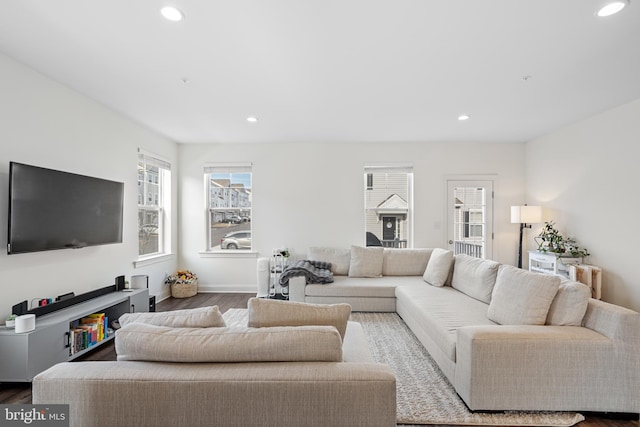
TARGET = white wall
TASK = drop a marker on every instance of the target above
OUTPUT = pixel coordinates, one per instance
(586, 178)
(312, 194)
(46, 124)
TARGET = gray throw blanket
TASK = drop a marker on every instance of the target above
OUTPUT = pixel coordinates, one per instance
(313, 271)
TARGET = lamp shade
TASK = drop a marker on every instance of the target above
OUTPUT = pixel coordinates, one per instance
(526, 214)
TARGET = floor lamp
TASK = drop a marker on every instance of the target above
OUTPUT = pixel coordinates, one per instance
(525, 216)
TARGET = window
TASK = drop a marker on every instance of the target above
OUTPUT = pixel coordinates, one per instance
(473, 223)
(154, 201)
(388, 205)
(229, 198)
(369, 181)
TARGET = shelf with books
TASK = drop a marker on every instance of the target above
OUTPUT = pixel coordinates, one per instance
(24, 355)
(87, 332)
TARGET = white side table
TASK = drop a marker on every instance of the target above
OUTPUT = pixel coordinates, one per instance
(550, 263)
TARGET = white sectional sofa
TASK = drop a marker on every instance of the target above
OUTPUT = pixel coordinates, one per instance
(506, 338)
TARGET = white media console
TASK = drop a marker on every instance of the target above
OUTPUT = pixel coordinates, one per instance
(24, 355)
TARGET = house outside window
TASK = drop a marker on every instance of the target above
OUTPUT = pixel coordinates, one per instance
(154, 200)
(474, 224)
(229, 206)
(388, 205)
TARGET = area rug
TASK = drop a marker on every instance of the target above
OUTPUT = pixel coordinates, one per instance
(424, 395)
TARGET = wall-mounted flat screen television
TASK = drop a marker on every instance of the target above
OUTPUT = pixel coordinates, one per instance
(50, 209)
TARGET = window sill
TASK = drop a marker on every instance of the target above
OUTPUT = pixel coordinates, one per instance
(154, 259)
(228, 254)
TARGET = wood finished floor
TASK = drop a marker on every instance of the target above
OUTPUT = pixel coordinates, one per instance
(21, 392)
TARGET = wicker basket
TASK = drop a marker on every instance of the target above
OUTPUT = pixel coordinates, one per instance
(184, 290)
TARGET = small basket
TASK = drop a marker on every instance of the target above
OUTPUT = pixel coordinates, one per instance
(184, 290)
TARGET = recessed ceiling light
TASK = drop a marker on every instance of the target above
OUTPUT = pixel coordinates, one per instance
(612, 8)
(171, 13)
(252, 119)
(463, 117)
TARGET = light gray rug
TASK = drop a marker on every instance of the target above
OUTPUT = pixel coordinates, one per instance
(424, 395)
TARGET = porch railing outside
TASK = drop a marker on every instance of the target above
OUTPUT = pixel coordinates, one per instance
(468, 248)
(396, 243)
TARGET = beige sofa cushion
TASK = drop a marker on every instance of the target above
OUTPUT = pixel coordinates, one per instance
(439, 267)
(405, 262)
(474, 276)
(366, 261)
(438, 313)
(202, 317)
(569, 305)
(521, 297)
(267, 313)
(140, 341)
(338, 257)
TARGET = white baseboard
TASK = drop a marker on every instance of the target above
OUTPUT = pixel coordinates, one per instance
(163, 296)
(243, 289)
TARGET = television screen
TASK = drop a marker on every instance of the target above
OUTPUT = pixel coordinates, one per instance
(51, 209)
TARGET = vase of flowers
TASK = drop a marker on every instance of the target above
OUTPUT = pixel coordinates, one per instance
(183, 284)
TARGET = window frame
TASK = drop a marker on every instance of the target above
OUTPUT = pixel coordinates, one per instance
(370, 190)
(212, 245)
(160, 204)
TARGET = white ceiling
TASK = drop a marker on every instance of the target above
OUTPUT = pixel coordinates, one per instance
(336, 70)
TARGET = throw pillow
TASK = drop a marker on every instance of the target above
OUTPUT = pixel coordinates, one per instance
(338, 257)
(521, 297)
(139, 341)
(569, 305)
(366, 261)
(474, 276)
(203, 317)
(269, 313)
(438, 268)
(404, 262)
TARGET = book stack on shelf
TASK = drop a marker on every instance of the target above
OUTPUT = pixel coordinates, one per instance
(87, 332)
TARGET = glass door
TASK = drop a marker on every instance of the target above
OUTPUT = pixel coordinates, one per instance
(470, 217)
